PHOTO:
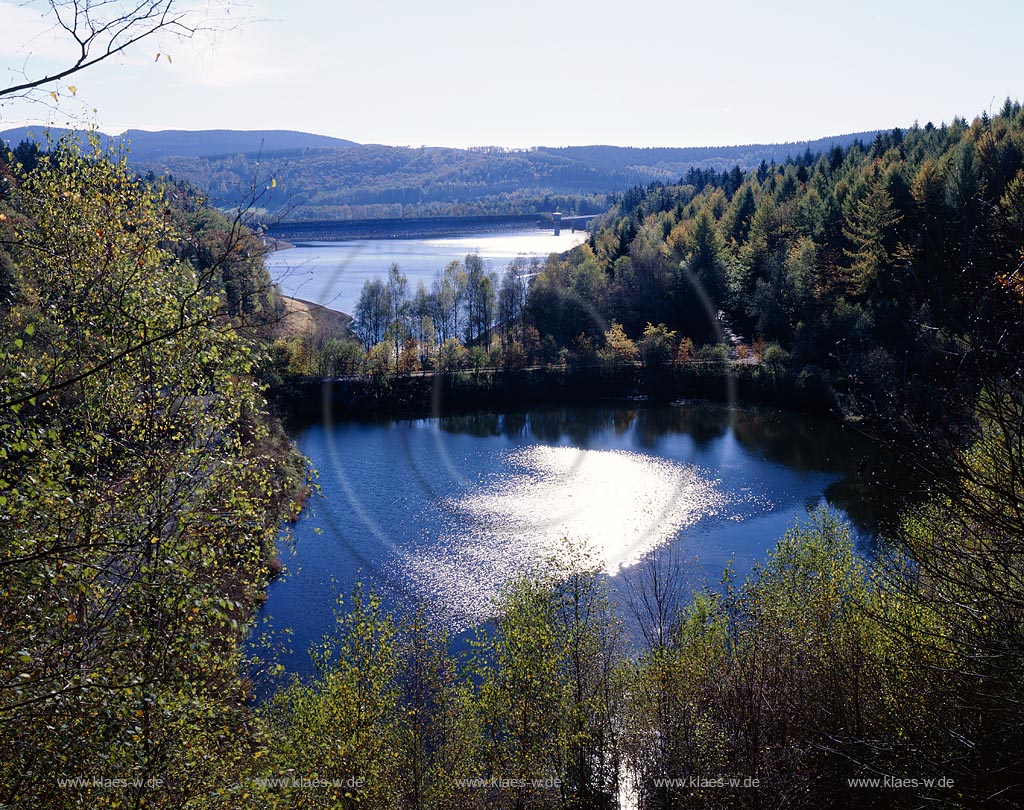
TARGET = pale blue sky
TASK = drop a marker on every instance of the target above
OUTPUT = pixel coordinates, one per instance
(468, 72)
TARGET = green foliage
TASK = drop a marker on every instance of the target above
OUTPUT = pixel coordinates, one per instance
(514, 356)
(870, 229)
(380, 360)
(338, 358)
(142, 490)
(774, 357)
(706, 246)
(716, 354)
(618, 346)
(789, 679)
(452, 355)
(226, 256)
(341, 727)
(478, 358)
(535, 700)
(290, 357)
(967, 559)
(549, 689)
(657, 347)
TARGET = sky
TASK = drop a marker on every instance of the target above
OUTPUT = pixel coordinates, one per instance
(475, 73)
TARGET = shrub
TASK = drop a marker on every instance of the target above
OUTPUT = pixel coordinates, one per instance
(452, 355)
(774, 357)
(618, 348)
(338, 358)
(658, 345)
(714, 353)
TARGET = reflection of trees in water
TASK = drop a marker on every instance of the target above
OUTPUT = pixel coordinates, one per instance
(482, 424)
(874, 494)
(513, 425)
(801, 443)
(702, 423)
(623, 419)
(578, 425)
(869, 488)
(548, 425)
(582, 426)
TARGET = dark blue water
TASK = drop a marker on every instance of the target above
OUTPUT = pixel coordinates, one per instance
(442, 511)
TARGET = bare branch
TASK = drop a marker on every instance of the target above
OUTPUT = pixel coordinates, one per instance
(100, 29)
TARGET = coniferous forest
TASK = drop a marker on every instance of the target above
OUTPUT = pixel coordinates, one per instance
(144, 480)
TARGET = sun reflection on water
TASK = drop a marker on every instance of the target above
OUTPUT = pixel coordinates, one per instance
(618, 504)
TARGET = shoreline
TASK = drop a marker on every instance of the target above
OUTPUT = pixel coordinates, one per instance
(272, 245)
(426, 394)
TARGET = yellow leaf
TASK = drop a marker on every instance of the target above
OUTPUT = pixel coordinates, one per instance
(53, 95)
(73, 89)
(169, 60)
(273, 182)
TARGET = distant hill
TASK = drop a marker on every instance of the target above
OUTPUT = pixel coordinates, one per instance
(148, 146)
(39, 134)
(670, 163)
(314, 177)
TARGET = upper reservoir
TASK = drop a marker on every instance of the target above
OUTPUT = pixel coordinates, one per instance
(332, 273)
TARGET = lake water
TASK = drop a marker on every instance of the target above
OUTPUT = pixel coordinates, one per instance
(332, 273)
(442, 511)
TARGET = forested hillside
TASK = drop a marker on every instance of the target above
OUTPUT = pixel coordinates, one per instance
(321, 178)
(370, 181)
(670, 163)
(870, 265)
